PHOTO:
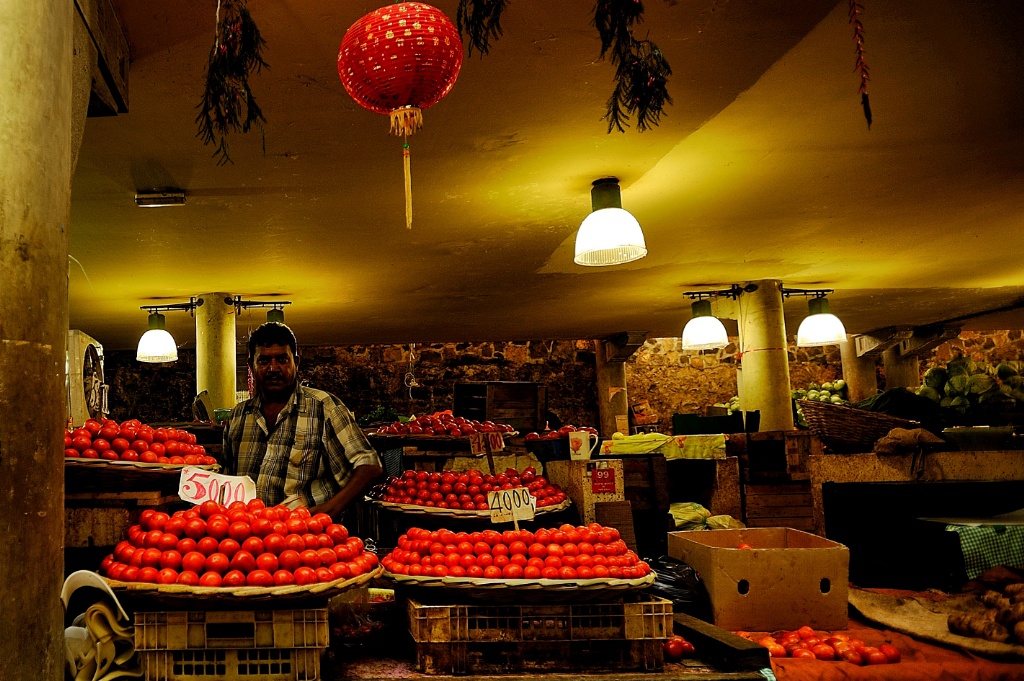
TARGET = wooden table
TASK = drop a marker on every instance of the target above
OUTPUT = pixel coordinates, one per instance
(924, 467)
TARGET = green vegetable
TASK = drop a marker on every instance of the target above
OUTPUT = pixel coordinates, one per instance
(936, 378)
(1005, 371)
(957, 385)
(1015, 382)
(980, 383)
(930, 392)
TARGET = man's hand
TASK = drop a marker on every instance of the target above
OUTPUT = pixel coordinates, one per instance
(362, 479)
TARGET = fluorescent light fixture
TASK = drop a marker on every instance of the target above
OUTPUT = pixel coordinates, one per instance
(157, 345)
(160, 198)
(820, 326)
(704, 331)
(609, 235)
(275, 314)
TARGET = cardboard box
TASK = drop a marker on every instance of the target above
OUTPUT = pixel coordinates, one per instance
(588, 482)
(788, 579)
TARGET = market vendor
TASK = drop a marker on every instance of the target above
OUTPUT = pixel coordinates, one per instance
(300, 445)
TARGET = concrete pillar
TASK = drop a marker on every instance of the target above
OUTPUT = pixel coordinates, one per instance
(765, 356)
(35, 207)
(900, 371)
(612, 403)
(858, 372)
(215, 348)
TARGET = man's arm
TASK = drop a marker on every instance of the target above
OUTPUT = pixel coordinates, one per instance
(361, 480)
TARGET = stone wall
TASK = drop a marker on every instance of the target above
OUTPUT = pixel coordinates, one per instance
(370, 376)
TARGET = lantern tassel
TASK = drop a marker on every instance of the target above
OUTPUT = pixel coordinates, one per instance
(406, 121)
(408, 184)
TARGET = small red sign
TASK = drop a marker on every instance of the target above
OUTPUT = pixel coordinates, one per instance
(602, 480)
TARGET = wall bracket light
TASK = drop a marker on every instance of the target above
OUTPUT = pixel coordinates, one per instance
(275, 313)
(820, 327)
(160, 198)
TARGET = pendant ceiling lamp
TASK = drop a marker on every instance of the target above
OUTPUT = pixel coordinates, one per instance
(397, 61)
(157, 345)
(820, 327)
(704, 331)
(609, 235)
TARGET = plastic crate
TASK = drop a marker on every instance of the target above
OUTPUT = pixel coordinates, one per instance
(262, 664)
(483, 657)
(649, 617)
(231, 629)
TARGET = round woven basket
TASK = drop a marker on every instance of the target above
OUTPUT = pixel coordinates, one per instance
(849, 430)
(413, 509)
(521, 589)
(182, 593)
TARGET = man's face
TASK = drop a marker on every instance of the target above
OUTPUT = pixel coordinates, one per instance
(274, 371)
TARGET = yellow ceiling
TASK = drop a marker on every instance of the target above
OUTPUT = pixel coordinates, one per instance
(762, 168)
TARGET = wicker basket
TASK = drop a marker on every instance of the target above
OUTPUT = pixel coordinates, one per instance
(848, 429)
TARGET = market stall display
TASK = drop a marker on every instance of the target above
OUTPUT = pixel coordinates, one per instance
(242, 550)
(135, 442)
(805, 642)
(443, 424)
(463, 494)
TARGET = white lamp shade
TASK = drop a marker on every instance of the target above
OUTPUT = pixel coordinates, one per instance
(820, 329)
(704, 333)
(609, 236)
(157, 345)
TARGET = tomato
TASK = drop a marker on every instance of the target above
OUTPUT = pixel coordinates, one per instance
(261, 578)
(327, 556)
(151, 574)
(193, 561)
(340, 571)
(217, 562)
(108, 432)
(875, 657)
(744, 545)
(217, 527)
(261, 527)
(243, 561)
(167, 576)
(283, 577)
(673, 648)
(567, 573)
(305, 575)
(145, 434)
(290, 560)
(274, 543)
(229, 547)
(803, 653)
(210, 579)
(195, 528)
(170, 559)
(234, 578)
(81, 443)
(209, 508)
(130, 574)
(852, 656)
(207, 546)
(805, 632)
(823, 651)
(140, 446)
(72, 453)
(188, 578)
(175, 526)
(268, 562)
(891, 652)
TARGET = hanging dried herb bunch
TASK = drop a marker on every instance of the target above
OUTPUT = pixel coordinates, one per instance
(228, 104)
(480, 22)
(861, 64)
(641, 70)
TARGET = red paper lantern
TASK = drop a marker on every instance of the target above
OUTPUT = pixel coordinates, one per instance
(399, 60)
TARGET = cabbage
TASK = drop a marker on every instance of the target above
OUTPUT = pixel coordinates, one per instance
(936, 378)
(980, 383)
(1015, 382)
(1005, 371)
(929, 392)
(957, 385)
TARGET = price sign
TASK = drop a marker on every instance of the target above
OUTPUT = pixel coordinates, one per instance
(480, 442)
(197, 485)
(511, 504)
(602, 480)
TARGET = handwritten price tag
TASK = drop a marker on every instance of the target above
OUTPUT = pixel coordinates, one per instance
(511, 504)
(197, 485)
(479, 442)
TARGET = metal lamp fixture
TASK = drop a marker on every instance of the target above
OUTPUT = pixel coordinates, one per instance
(820, 326)
(704, 331)
(157, 345)
(609, 235)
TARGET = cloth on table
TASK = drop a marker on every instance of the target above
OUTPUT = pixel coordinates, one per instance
(670, 446)
(987, 546)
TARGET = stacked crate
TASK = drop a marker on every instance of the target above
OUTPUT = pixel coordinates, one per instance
(776, 489)
(199, 645)
(479, 639)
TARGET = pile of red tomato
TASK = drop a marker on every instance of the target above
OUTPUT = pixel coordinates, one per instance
(443, 423)
(466, 491)
(807, 643)
(238, 545)
(566, 552)
(677, 647)
(133, 440)
(562, 432)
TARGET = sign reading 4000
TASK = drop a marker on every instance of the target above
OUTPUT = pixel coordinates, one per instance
(509, 504)
(198, 485)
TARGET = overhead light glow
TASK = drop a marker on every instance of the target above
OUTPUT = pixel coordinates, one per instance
(157, 345)
(609, 235)
(820, 327)
(704, 331)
